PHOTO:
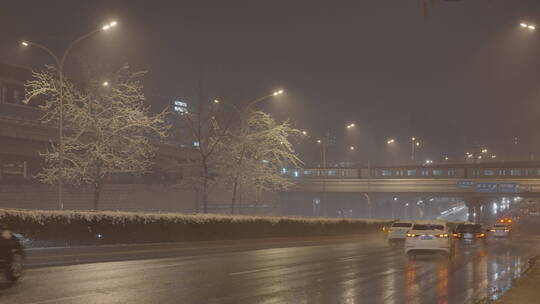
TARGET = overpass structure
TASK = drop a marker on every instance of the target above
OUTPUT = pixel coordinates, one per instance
(475, 184)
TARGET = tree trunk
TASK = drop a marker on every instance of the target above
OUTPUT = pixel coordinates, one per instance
(233, 199)
(205, 195)
(97, 192)
(205, 185)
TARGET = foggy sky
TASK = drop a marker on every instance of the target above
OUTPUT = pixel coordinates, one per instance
(464, 76)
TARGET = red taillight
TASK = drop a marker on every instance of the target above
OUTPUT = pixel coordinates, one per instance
(444, 235)
(412, 235)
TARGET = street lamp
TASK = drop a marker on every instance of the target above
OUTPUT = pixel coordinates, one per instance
(304, 133)
(275, 93)
(216, 101)
(60, 63)
(351, 148)
(323, 151)
(484, 150)
(351, 125)
(390, 141)
(414, 144)
(105, 84)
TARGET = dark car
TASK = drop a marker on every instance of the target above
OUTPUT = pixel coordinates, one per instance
(469, 232)
(11, 255)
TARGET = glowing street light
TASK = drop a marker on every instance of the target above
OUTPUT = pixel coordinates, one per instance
(351, 148)
(304, 133)
(278, 92)
(528, 26)
(319, 141)
(216, 101)
(109, 25)
(25, 43)
(105, 84)
(484, 150)
(390, 141)
(351, 125)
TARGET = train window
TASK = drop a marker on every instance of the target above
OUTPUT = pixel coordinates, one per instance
(489, 172)
(537, 171)
(399, 172)
(451, 172)
(308, 172)
(413, 172)
(425, 172)
(386, 172)
(437, 172)
(515, 172)
(502, 172)
(331, 172)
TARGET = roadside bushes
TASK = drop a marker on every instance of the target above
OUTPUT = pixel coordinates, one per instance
(60, 228)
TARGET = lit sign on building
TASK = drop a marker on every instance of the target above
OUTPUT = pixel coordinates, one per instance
(180, 107)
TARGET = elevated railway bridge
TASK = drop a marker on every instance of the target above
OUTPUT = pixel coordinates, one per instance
(475, 184)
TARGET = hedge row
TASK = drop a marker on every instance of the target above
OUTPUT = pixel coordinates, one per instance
(53, 228)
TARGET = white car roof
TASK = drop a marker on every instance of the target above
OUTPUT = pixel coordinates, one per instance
(431, 222)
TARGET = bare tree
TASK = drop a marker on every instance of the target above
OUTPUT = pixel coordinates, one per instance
(210, 129)
(108, 127)
(259, 150)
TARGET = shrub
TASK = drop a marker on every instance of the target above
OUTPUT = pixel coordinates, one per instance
(109, 227)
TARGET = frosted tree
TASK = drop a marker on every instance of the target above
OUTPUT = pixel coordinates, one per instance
(259, 150)
(107, 128)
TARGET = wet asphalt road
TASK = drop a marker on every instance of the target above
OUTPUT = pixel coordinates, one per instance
(330, 270)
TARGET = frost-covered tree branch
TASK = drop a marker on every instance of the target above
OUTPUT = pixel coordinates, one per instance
(107, 129)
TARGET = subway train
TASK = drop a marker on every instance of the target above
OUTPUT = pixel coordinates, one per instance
(458, 171)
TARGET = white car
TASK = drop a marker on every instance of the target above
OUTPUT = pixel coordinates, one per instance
(398, 231)
(428, 237)
(500, 230)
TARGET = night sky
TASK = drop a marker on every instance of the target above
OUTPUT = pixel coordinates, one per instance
(463, 77)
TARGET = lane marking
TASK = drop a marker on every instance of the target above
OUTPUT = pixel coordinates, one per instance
(354, 257)
(253, 271)
(63, 299)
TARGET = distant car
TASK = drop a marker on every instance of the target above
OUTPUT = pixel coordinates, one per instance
(469, 232)
(505, 220)
(398, 231)
(11, 255)
(427, 237)
(500, 230)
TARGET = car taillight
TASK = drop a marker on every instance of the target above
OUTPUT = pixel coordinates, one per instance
(480, 235)
(456, 235)
(444, 235)
(412, 235)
